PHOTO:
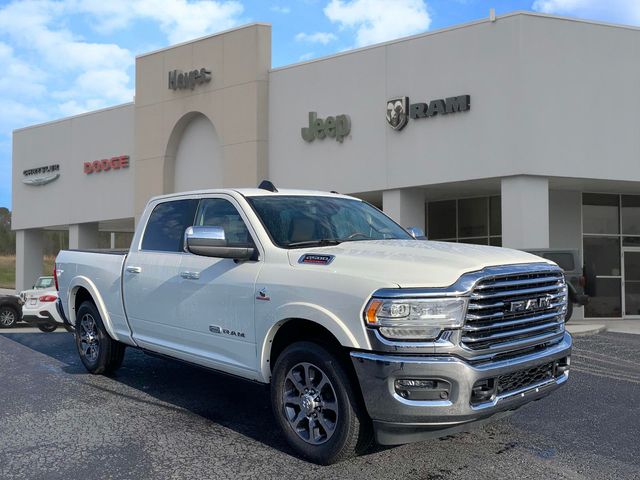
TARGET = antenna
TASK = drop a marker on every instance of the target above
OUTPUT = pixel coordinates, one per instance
(267, 185)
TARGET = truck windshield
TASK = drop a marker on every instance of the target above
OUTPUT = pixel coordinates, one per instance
(303, 221)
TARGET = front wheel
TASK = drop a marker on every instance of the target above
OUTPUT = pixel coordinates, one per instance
(47, 327)
(317, 406)
(8, 317)
(98, 351)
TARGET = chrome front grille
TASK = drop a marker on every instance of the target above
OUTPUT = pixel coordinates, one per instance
(515, 311)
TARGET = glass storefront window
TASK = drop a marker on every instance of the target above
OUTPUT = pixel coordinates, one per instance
(602, 256)
(631, 214)
(495, 216)
(631, 241)
(474, 241)
(607, 301)
(600, 213)
(473, 218)
(468, 220)
(441, 220)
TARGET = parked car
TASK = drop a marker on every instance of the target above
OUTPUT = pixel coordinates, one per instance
(43, 284)
(42, 311)
(10, 310)
(569, 262)
(361, 330)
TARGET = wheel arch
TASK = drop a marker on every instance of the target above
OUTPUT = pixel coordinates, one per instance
(82, 289)
(303, 322)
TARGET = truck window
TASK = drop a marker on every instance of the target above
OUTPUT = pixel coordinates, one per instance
(166, 225)
(218, 212)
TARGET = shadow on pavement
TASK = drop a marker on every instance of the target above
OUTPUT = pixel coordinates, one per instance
(233, 403)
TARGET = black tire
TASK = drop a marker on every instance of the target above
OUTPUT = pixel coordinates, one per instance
(352, 431)
(8, 316)
(567, 317)
(98, 351)
(47, 327)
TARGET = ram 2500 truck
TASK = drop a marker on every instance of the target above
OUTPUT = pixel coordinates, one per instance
(361, 330)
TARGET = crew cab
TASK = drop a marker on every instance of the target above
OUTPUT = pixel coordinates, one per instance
(361, 330)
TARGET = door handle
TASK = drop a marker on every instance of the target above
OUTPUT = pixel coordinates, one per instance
(134, 269)
(190, 275)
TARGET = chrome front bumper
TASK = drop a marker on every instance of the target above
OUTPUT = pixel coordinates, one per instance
(400, 420)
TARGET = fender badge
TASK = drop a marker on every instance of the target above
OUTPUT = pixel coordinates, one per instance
(316, 259)
(262, 295)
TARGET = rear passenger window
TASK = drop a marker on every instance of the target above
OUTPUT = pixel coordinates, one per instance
(218, 212)
(166, 225)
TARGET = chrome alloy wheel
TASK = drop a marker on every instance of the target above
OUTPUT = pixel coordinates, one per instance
(7, 318)
(89, 338)
(310, 403)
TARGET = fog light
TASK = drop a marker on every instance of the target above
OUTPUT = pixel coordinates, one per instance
(410, 383)
(422, 389)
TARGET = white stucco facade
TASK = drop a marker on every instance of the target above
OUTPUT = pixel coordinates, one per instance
(552, 119)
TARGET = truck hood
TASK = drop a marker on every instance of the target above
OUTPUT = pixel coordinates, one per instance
(411, 263)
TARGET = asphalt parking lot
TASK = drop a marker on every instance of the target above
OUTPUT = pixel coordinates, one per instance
(157, 419)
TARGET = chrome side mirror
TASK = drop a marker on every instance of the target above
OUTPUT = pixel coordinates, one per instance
(417, 233)
(211, 242)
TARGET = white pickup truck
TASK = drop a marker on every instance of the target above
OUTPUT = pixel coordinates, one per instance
(361, 330)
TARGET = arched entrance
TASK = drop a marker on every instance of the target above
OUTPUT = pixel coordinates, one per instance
(194, 155)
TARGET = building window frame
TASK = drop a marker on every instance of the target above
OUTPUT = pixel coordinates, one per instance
(490, 238)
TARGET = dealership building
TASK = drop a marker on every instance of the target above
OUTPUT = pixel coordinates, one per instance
(521, 131)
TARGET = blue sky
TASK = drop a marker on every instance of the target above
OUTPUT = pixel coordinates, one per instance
(63, 57)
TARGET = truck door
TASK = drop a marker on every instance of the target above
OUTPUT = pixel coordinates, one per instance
(217, 295)
(151, 277)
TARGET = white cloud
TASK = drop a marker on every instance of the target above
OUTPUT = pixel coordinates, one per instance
(306, 56)
(377, 21)
(280, 9)
(619, 11)
(318, 37)
(179, 20)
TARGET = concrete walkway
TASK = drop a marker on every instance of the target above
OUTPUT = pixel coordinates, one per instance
(614, 325)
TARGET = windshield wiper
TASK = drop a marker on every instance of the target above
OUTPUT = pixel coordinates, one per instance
(321, 242)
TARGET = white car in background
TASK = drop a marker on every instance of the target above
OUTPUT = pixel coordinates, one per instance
(43, 284)
(39, 305)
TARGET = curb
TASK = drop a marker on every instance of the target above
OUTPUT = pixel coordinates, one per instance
(579, 329)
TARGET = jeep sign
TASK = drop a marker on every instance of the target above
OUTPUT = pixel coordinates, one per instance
(336, 127)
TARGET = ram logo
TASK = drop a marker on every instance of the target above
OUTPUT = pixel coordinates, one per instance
(530, 304)
(397, 110)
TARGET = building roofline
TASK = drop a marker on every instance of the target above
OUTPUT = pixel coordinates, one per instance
(72, 117)
(186, 42)
(471, 23)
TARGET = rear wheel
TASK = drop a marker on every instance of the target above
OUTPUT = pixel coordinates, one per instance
(8, 317)
(316, 405)
(47, 327)
(98, 351)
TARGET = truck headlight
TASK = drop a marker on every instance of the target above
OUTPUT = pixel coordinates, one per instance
(419, 319)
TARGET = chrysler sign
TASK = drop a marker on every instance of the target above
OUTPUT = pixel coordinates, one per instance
(41, 175)
(399, 110)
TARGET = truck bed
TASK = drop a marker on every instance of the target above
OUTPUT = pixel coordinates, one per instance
(100, 272)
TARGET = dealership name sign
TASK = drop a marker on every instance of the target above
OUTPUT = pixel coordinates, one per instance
(336, 127)
(41, 175)
(399, 110)
(106, 164)
(179, 80)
